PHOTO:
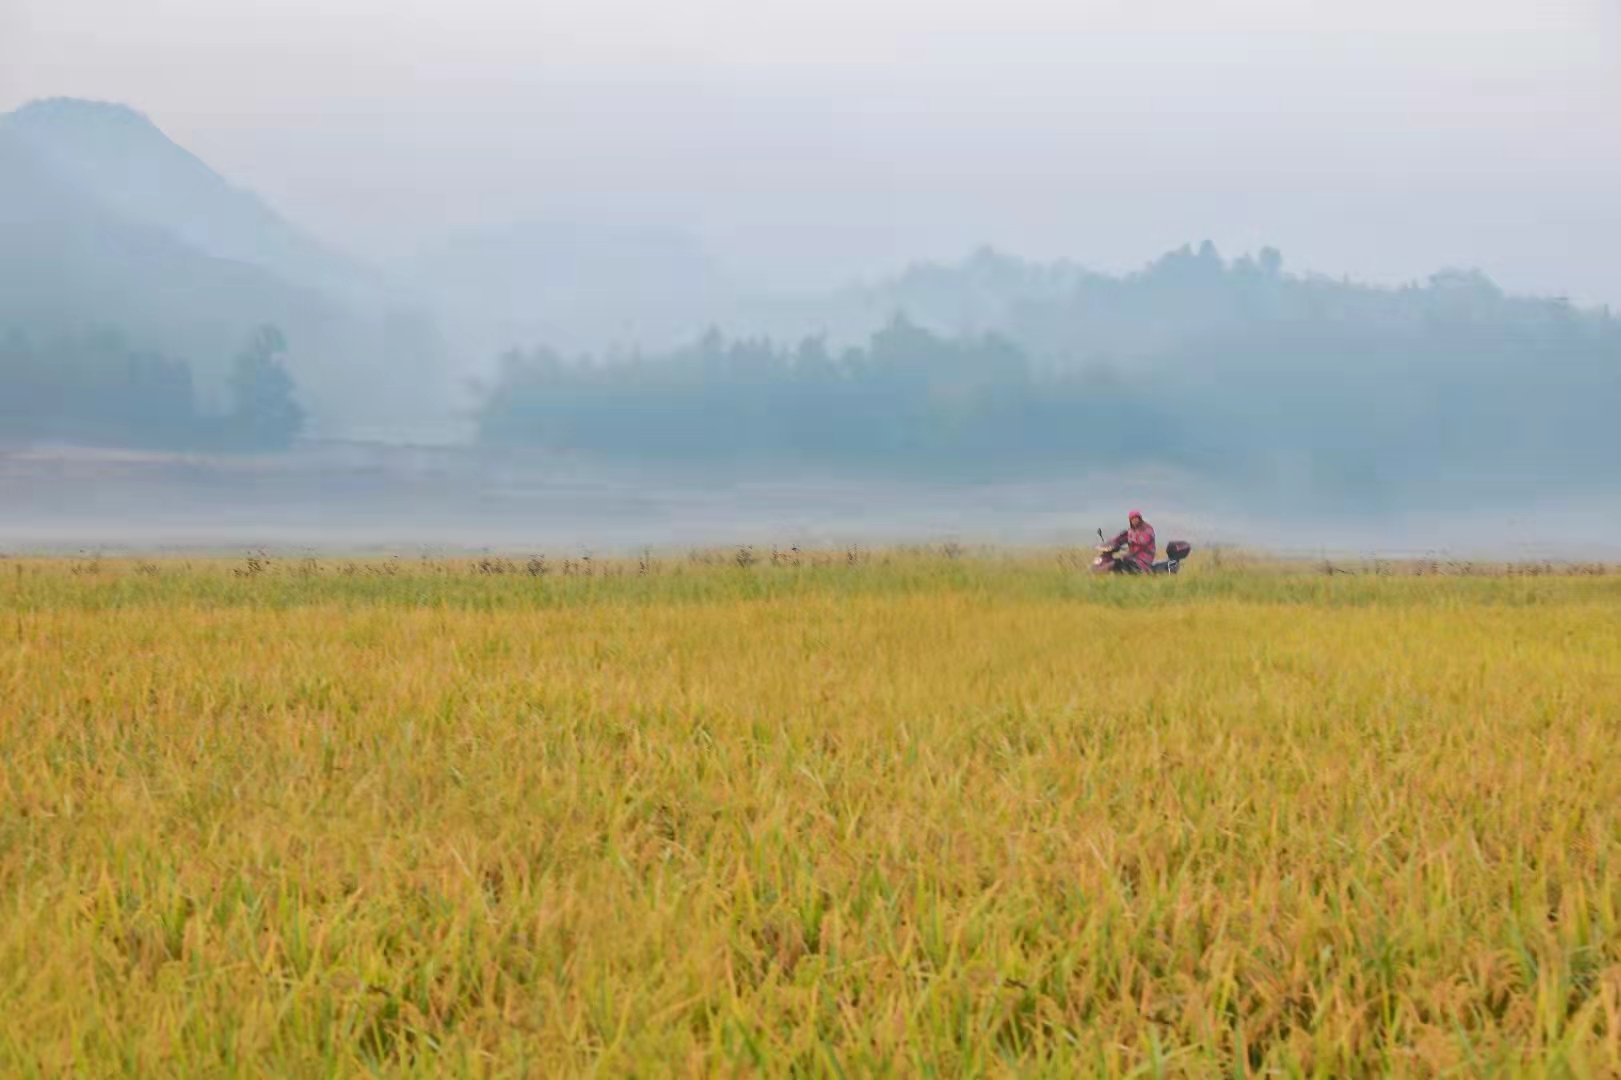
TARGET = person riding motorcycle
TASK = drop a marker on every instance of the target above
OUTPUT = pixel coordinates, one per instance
(1140, 545)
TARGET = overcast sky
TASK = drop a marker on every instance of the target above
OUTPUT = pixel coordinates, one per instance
(810, 139)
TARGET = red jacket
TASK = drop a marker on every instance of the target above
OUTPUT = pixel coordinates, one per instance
(1140, 545)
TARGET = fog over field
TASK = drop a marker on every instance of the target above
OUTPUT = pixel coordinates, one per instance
(1312, 278)
(447, 502)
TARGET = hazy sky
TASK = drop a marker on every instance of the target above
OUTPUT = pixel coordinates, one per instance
(805, 139)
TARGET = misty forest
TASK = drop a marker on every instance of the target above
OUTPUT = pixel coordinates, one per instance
(1231, 369)
(146, 303)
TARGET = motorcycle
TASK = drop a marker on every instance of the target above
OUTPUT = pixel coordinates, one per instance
(1110, 560)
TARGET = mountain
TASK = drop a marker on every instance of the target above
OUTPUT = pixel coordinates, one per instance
(119, 158)
(67, 262)
(107, 223)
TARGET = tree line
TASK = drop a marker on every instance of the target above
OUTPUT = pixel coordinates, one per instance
(909, 399)
(96, 388)
(1307, 388)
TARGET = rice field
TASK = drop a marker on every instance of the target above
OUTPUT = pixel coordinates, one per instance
(904, 813)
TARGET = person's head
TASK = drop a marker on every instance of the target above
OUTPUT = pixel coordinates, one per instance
(1135, 518)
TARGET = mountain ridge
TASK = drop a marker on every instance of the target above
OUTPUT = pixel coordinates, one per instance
(107, 222)
(120, 157)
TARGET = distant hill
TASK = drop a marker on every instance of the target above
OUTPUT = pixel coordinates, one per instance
(106, 223)
(1296, 389)
(1064, 314)
(120, 159)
